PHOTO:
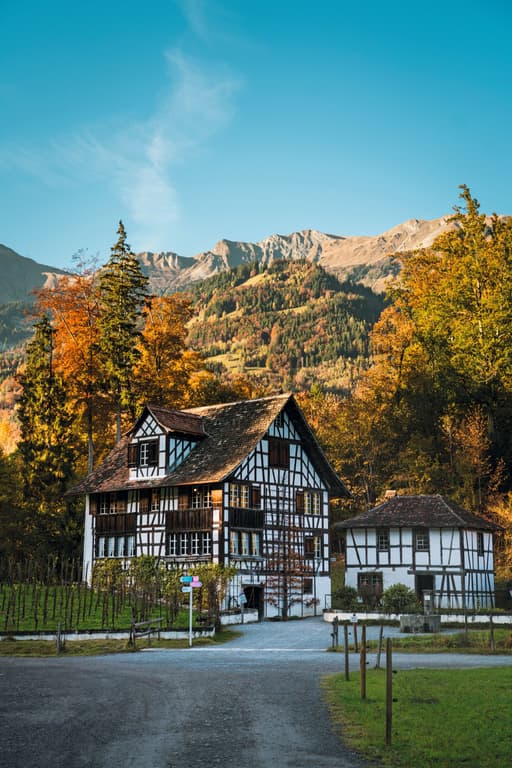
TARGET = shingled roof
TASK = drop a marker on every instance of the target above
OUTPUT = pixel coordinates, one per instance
(229, 432)
(181, 422)
(434, 511)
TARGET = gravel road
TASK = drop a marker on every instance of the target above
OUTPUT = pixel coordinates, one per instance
(254, 703)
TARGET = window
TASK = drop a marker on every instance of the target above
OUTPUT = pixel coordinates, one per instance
(278, 453)
(155, 501)
(172, 544)
(369, 579)
(233, 542)
(201, 498)
(195, 544)
(421, 540)
(115, 546)
(183, 544)
(311, 503)
(307, 586)
(112, 503)
(195, 548)
(383, 540)
(313, 547)
(114, 530)
(129, 546)
(143, 454)
(238, 495)
(244, 543)
(480, 543)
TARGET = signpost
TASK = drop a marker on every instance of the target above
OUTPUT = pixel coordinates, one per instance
(189, 582)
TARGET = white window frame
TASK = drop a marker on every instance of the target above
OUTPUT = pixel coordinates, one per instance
(234, 548)
(312, 505)
(255, 543)
(172, 544)
(239, 495)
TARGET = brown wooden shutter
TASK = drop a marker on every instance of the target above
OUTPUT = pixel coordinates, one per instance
(93, 505)
(217, 497)
(299, 501)
(255, 496)
(184, 498)
(144, 499)
(133, 455)
(273, 453)
(153, 452)
(309, 545)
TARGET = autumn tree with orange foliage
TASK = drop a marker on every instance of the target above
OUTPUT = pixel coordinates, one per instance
(164, 366)
(75, 307)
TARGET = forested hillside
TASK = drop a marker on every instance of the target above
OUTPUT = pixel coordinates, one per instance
(286, 326)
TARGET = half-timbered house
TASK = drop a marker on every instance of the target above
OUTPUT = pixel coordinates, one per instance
(427, 543)
(244, 484)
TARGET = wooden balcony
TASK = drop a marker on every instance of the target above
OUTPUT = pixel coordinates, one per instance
(189, 520)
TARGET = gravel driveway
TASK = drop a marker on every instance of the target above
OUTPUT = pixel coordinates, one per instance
(254, 703)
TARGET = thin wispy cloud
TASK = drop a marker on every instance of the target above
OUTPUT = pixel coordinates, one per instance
(137, 161)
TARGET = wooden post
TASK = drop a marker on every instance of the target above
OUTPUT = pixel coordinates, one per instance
(379, 647)
(355, 638)
(335, 640)
(59, 638)
(389, 690)
(345, 646)
(362, 662)
(491, 634)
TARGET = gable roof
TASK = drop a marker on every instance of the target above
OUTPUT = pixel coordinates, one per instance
(229, 432)
(182, 422)
(434, 511)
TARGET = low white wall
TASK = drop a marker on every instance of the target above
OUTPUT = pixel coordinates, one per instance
(165, 634)
(236, 618)
(445, 617)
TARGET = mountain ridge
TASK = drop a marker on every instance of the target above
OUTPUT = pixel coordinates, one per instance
(363, 258)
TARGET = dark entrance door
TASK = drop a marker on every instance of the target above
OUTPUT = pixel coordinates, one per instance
(254, 595)
(424, 581)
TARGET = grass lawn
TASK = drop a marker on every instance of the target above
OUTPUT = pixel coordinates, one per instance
(37, 648)
(476, 641)
(441, 718)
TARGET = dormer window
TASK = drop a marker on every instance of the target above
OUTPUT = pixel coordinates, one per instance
(143, 454)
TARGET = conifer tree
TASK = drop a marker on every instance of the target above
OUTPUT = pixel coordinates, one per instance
(123, 290)
(46, 448)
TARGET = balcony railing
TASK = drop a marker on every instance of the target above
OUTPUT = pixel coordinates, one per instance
(189, 520)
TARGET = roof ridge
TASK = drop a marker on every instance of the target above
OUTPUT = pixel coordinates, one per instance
(283, 396)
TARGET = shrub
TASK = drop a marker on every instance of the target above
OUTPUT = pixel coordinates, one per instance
(346, 598)
(400, 599)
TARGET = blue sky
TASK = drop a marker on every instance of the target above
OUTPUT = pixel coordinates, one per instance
(194, 120)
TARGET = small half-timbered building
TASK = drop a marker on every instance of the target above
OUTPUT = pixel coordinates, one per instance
(427, 543)
(244, 484)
